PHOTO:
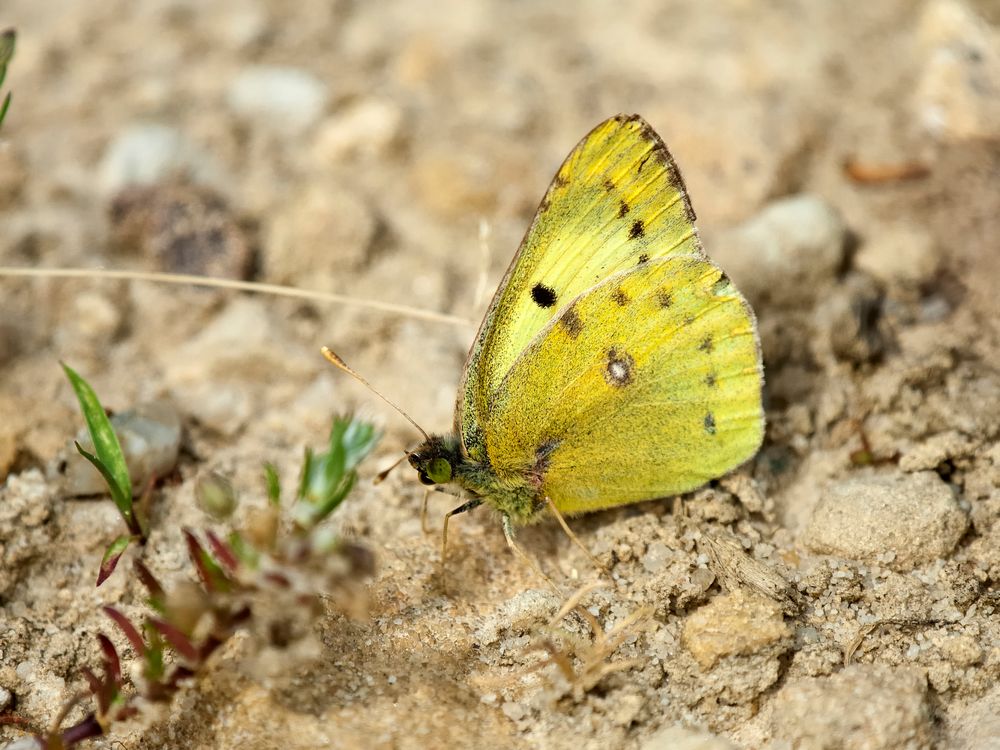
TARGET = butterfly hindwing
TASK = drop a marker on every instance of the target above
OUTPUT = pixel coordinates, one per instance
(647, 385)
(616, 203)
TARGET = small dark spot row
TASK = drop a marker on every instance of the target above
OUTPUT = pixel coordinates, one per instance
(620, 297)
(709, 423)
(638, 229)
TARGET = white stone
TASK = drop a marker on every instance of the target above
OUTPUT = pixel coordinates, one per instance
(281, 99)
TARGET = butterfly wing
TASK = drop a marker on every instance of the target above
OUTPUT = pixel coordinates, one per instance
(647, 385)
(617, 201)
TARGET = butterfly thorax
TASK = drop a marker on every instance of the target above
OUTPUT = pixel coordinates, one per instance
(442, 461)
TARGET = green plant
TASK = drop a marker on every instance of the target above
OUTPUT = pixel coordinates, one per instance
(8, 39)
(259, 577)
(108, 459)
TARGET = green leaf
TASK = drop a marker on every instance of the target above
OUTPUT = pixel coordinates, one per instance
(110, 460)
(273, 484)
(244, 550)
(111, 557)
(8, 39)
(327, 478)
(7, 43)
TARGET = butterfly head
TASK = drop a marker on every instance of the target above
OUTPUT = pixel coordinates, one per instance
(435, 460)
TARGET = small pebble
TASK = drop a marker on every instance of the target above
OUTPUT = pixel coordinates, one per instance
(899, 255)
(145, 153)
(787, 253)
(369, 127)
(736, 623)
(150, 437)
(281, 99)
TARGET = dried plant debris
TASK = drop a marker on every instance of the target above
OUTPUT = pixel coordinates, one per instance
(735, 569)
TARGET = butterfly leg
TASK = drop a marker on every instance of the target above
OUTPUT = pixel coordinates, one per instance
(573, 537)
(423, 512)
(466, 506)
(508, 532)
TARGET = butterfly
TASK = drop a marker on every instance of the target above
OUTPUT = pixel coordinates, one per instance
(616, 363)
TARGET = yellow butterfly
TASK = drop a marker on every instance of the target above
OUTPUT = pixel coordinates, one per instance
(616, 362)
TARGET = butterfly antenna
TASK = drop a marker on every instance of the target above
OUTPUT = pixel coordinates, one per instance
(334, 359)
(380, 477)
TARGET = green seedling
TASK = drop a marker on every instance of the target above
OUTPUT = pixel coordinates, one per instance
(189, 621)
(109, 460)
(8, 39)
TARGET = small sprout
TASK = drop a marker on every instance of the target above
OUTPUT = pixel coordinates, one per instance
(111, 557)
(272, 583)
(8, 40)
(328, 477)
(273, 484)
(215, 495)
(109, 460)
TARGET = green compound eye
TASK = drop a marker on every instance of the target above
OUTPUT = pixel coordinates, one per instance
(439, 471)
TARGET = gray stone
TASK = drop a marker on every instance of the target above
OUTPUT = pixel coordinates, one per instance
(900, 520)
(146, 153)
(863, 706)
(785, 254)
(150, 436)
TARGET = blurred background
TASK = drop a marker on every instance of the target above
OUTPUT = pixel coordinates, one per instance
(843, 161)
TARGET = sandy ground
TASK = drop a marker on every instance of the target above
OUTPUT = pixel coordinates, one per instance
(355, 148)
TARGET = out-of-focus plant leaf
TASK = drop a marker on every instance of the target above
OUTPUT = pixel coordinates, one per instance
(111, 557)
(109, 459)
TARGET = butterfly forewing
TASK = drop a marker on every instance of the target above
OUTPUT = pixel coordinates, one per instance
(617, 202)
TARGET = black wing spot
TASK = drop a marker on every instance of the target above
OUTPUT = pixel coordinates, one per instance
(620, 297)
(619, 369)
(622, 209)
(544, 296)
(643, 258)
(638, 229)
(709, 423)
(710, 380)
(706, 344)
(664, 299)
(609, 185)
(721, 286)
(571, 322)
